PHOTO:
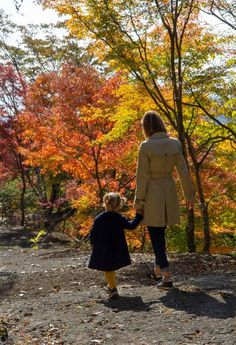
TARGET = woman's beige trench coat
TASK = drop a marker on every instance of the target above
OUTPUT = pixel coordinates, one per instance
(155, 186)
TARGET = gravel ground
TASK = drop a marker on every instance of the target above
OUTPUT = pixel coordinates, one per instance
(50, 297)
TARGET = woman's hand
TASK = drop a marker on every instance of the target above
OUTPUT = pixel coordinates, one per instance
(190, 204)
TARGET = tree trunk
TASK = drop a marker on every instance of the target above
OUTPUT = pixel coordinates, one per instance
(190, 232)
(22, 205)
(191, 221)
(203, 205)
(177, 80)
(23, 190)
(206, 227)
(52, 219)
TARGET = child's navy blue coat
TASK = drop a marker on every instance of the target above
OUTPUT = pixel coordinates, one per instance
(110, 251)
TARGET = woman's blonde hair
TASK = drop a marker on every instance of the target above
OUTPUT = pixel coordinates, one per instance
(152, 123)
(113, 201)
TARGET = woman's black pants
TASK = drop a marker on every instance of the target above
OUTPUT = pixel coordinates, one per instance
(157, 236)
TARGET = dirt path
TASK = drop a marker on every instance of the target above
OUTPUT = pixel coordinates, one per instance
(50, 297)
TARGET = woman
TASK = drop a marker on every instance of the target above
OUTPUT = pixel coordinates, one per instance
(156, 191)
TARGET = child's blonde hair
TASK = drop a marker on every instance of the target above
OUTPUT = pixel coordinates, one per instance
(113, 201)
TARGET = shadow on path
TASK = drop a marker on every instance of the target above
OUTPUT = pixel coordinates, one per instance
(196, 303)
(20, 237)
(125, 303)
(200, 303)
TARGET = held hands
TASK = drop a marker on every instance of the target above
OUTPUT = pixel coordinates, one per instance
(140, 211)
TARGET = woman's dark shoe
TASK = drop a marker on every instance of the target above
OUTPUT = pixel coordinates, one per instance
(165, 284)
(152, 275)
(112, 293)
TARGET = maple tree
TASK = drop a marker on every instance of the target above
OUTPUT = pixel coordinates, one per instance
(64, 118)
(12, 93)
(12, 97)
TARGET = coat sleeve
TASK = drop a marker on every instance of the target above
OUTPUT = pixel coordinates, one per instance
(142, 175)
(131, 224)
(94, 232)
(184, 176)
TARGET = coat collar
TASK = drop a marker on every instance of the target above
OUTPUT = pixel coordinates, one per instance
(159, 135)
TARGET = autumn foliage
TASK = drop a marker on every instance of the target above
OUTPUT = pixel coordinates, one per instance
(71, 134)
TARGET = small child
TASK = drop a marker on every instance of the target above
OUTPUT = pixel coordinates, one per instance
(109, 247)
